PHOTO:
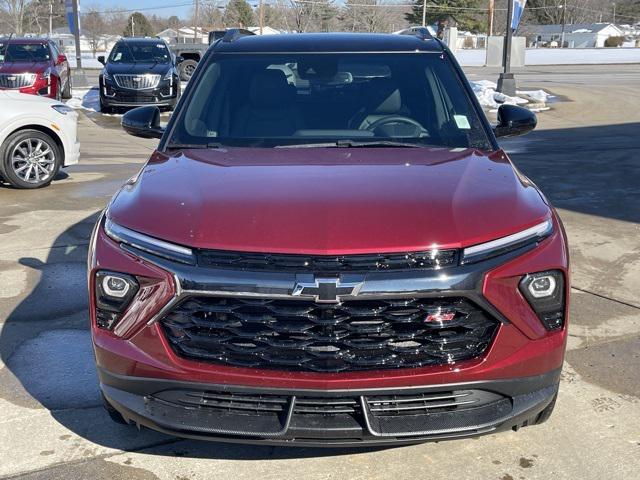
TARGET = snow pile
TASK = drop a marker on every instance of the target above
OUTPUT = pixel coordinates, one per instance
(488, 97)
(85, 99)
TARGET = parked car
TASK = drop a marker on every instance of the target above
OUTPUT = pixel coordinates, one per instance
(329, 248)
(37, 138)
(192, 53)
(34, 66)
(139, 71)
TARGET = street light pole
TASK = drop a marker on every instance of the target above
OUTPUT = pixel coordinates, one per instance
(76, 34)
(195, 22)
(50, 18)
(490, 19)
(507, 82)
(424, 13)
(564, 23)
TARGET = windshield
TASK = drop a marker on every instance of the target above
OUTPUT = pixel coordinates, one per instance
(273, 100)
(142, 52)
(24, 52)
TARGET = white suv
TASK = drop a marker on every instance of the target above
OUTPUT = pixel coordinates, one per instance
(38, 136)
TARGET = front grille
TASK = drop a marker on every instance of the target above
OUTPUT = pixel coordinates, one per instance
(326, 263)
(137, 82)
(19, 80)
(308, 336)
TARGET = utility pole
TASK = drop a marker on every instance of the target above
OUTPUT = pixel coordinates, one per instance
(133, 27)
(506, 81)
(424, 13)
(490, 20)
(195, 22)
(50, 18)
(261, 17)
(614, 13)
(564, 23)
(76, 34)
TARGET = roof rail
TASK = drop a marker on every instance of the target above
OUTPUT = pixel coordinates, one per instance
(234, 34)
(422, 33)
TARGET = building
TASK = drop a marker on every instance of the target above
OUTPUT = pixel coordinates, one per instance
(184, 35)
(587, 35)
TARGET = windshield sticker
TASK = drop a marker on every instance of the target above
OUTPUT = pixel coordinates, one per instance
(462, 122)
(160, 45)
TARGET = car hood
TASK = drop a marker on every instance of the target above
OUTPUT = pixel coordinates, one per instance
(328, 200)
(24, 67)
(138, 68)
(25, 97)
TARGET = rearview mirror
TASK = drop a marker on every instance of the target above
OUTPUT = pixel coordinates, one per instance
(143, 122)
(179, 60)
(514, 121)
(102, 60)
(62, 59)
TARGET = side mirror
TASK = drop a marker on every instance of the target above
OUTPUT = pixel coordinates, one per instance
(143, 122)
(179, 60)
(102, 60)
(61, 59)
(514, 121)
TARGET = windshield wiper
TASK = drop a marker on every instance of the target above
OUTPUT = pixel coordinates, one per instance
(352, 144)
(194, 146)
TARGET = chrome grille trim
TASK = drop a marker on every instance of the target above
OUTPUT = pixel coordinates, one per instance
(137, 82)
(17, 80)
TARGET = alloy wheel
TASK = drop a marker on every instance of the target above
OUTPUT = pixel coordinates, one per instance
(33, 160)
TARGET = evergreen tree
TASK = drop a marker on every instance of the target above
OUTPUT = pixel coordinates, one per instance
(239, 14)
(449, 13)
(141, 26)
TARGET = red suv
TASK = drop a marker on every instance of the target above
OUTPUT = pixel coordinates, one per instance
(329, 248)
(34, 66)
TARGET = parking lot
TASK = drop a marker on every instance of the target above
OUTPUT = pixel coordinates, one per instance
(585, 156)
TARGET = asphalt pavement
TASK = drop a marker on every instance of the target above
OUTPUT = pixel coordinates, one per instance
(585, 156)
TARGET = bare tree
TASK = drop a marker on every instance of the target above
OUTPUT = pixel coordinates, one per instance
(94, 27)
(367, 16)
(13, 14)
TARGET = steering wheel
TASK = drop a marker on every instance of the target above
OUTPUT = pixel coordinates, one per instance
(381, 122)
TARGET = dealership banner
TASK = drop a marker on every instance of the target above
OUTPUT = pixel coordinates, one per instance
(518, 8)
(71, 19)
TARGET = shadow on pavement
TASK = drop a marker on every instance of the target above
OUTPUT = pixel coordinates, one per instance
(592, 170)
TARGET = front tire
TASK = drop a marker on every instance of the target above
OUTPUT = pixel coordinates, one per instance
(105, 108)
(29, 159)
(186, 69)
(115, 415)
(66, 94)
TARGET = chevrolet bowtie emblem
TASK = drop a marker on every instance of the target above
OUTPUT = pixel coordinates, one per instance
(327, 290)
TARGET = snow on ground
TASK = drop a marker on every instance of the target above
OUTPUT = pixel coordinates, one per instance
(85, 99)
(559, 56)
(485, 90)
(87, 62)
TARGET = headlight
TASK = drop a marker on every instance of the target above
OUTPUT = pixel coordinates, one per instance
(509, 243)
(149, 244)
(105, 74)
(114, 292)
(168, 75)
(63, 109)
(545, 293)
(47, 73)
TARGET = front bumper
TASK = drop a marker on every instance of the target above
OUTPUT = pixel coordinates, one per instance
(164, 95)
(136, 360)
(330, 417)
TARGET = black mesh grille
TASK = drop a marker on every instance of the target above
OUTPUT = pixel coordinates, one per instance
(306, 336)
(327, 263)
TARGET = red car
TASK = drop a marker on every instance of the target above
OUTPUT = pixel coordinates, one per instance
(329, 248)
(34, 66)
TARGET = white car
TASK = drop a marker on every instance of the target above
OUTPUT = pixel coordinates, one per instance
(38, 136)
